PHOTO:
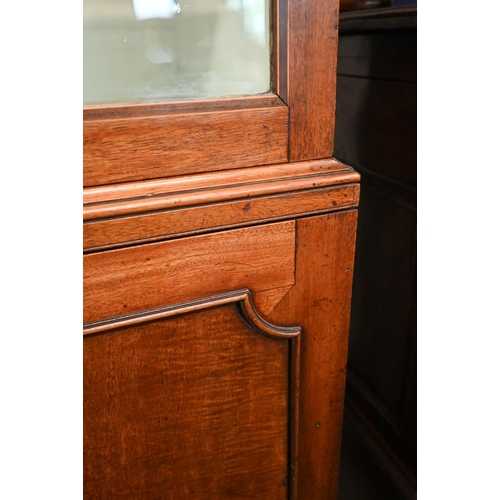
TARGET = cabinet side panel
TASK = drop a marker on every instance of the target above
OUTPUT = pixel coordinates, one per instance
(320, 302)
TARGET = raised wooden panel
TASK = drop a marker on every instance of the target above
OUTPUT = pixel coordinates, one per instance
(129, 280)
(196, 406)
(148, 147)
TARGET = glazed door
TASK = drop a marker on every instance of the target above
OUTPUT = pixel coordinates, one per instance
(128, 141)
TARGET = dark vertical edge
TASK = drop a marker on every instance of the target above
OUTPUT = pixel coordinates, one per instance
(280, 49)
(294, 365)
(312, 67)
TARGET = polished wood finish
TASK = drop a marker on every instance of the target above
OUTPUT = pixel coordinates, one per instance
(243, 296)
(318, 299)
(137, 142)
(312, 53)
(217, 281)
(233, 442)
(191, 204)
(214, 186)
(320, 302)
(133, 279)
(376, 133)
(128, 149)
(115, 232)
(113, 112)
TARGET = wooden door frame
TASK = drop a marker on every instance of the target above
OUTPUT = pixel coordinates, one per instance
(294, 122)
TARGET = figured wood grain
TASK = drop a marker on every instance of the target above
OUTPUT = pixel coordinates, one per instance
(243, 297)
(267, 300)
(320, 301)
(137, 148)
(312, 60)
(130, 280)
(201, 219)
(186, 408)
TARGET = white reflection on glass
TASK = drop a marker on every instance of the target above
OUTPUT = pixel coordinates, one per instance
(164, 50)
(155, 9)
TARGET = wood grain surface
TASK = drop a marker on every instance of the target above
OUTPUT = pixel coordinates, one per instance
(187, 408)
(321, 300)
(109, 233)
(129, 280)
(254, 180)
(128, 149)
(243, 297)
(312, 67)
(139, 199)
(166, 208)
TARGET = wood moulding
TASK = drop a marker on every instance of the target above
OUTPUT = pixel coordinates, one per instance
(128, 213)
(249, 314)
(147, 196)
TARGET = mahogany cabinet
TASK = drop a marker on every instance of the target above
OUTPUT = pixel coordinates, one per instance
(219, 242)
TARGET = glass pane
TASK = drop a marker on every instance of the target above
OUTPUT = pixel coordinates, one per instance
(137, 51)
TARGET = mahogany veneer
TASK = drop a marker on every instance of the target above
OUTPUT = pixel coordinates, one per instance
(219, 244)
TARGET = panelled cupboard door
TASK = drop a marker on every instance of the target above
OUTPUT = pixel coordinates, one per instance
(218, 253)
(196, 406)
(191, 390)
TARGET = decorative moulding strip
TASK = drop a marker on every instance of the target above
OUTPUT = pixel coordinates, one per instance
(185, 221)
(147, 196)
(250, 314)
(113, 112)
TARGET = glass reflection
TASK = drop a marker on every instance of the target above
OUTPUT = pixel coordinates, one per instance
(139, 51)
